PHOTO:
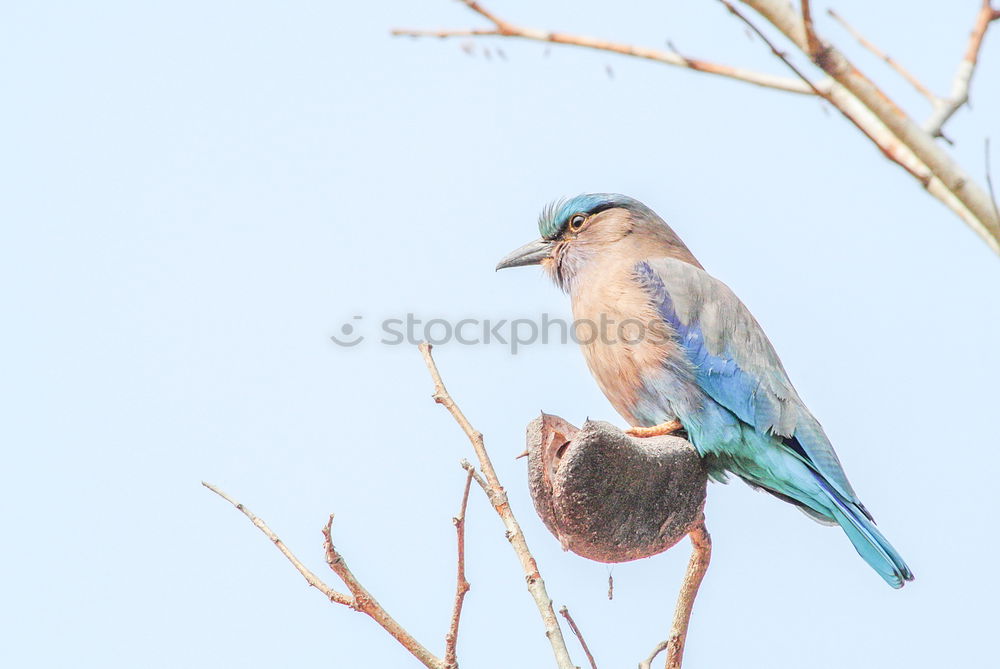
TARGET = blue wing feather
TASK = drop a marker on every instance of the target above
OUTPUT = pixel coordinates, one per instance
(749, 419)
(735, 364)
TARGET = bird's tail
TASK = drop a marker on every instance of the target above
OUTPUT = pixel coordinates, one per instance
(867, 540)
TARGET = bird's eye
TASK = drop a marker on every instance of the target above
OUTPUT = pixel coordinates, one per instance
(577, 222)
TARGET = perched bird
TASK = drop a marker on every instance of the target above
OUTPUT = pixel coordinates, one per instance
(674, 349)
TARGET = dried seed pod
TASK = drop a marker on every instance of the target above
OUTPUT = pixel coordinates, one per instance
(609, 496)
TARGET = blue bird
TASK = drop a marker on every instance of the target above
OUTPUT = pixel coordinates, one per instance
(674, 349)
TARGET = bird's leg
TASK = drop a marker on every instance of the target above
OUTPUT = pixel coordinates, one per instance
(670, 427)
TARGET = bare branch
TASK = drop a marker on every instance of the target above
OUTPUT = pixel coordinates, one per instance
(359, 600)
(989, 179)
(889, 148)
(864, 104)
(462, 585)
(781, 55)
(504, 29)
(648, 662)
(467, 466)
(944, 109)
(487, 14)
(579, 635)
(701, 555)
(889, 60)
(885, 122)
(498, 498)
(311, 578)
(367, 604)
(813, 46)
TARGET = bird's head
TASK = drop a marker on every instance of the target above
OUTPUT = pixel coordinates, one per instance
(578, 231)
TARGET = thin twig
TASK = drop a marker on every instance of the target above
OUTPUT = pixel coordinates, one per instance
(814, 48)
(579, 635)
(701, 556)
(367, 604)
(462, 585)
(467, 466)
(781, 55)
(944, 109)
(887, 149)
(505, 29)
(891, 129)
(359, 600)
(487, 14)
(648, 662)
(498, 498)
(879, 53)
(989, 180)
(311, 578)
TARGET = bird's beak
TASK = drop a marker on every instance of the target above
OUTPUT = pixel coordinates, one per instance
(531, 253)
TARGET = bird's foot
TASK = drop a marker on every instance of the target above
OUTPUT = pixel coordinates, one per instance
(670, 427)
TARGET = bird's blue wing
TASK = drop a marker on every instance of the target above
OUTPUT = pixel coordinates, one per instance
(734, 363)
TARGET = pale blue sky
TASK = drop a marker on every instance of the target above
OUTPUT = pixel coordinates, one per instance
(197, 195)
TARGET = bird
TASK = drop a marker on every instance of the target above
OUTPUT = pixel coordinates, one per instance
(676, 352)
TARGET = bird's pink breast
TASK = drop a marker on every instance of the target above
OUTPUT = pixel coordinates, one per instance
(623, 337)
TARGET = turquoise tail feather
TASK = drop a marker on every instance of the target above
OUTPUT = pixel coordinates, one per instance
(868, 541)
(763, 461)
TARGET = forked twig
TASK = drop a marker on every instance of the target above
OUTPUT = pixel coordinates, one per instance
(657, 649)
(989, 179)
(879, 53)
(564, 612)
(359, 599)
(462, 585)
(866, 105)
(813, 46)
(367, 604)
(498, 498)
(869, 106)
(502, 28)
(887, 149)
(944, 109)
(311, 578)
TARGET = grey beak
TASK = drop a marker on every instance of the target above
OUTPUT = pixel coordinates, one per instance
(531, 253)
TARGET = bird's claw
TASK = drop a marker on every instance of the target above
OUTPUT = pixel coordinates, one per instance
(670, 427)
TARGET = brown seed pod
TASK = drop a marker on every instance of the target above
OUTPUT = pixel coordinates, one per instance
(611, 497)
